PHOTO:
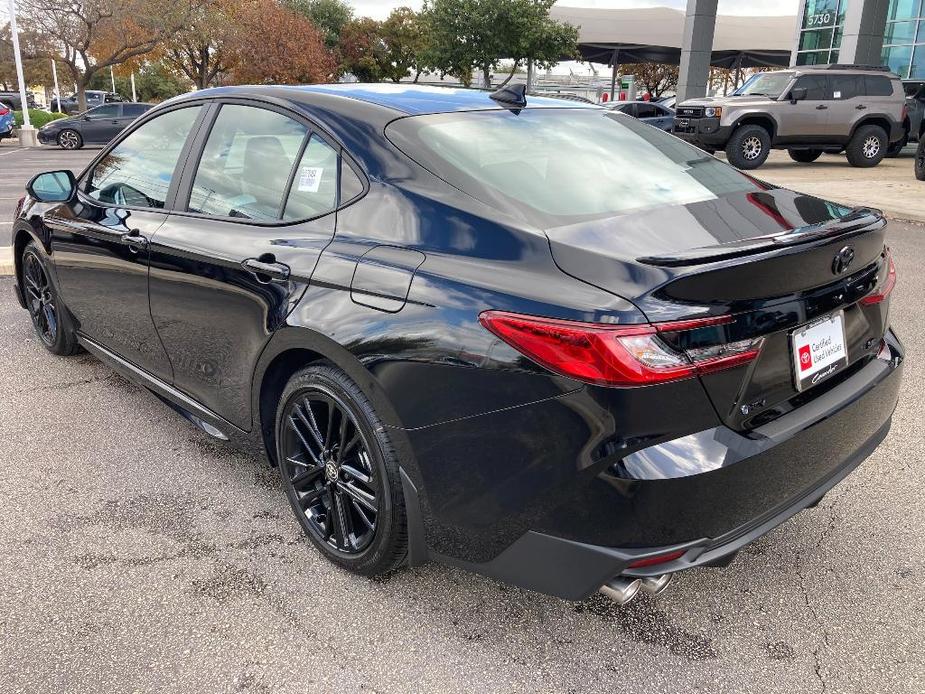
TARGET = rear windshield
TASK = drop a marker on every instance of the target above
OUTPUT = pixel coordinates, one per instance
(561, 166)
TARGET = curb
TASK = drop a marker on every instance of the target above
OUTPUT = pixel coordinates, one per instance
(6, 261)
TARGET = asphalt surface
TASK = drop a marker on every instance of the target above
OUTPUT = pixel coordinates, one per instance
(136, 555)
(18, 165)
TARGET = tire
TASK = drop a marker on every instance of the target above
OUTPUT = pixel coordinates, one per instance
(327, 491)
(920, 160)
(867, 146)
(804, 156)
(70, 139)
(50, 318)
(749, 146)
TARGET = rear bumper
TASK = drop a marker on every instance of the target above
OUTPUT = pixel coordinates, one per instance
(756, 483)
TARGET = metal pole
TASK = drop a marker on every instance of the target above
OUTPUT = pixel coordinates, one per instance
(613, 73)
(112, 76)
(134, 98)
(18, 57)
(54, 74)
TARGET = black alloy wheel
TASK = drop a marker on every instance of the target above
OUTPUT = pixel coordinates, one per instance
(40, 300)
(329, 472)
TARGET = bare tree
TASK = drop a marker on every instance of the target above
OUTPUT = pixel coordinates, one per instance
(87, 36)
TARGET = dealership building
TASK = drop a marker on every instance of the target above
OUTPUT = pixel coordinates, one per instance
(870, 32)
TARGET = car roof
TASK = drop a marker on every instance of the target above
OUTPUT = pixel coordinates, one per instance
(404, 99)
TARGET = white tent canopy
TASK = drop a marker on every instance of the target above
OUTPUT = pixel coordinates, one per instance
(654, 35)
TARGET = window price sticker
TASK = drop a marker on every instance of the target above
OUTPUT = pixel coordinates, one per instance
(310, 179)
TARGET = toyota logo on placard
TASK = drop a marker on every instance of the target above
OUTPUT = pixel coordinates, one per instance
(843, 260)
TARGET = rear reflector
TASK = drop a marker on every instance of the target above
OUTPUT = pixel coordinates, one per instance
(886, 286)
(658, 559)
(610, 355)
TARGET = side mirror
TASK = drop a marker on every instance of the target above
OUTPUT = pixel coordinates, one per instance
(797, 94)
(53, 186)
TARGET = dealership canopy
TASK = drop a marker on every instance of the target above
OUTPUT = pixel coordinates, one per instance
(655, 36)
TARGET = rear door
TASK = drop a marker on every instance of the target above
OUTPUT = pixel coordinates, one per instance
(849, 104)
(257, 207)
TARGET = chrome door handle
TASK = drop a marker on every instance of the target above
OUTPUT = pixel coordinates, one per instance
(822, 107)
(266, 270)
(861, 107)
(135, 241)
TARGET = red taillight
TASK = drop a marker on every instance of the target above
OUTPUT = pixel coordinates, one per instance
(4, 111)
(610, 355)
(658, 559)
(886, 286)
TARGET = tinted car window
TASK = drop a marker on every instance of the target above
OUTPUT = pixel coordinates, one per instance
(647, 111)
(314, 186)
(817, 87)
(108, 111)
(138, 171)
(350, 184)
(847, 86)
(878, 86)
(561, 166)
(134, 110)
(245, 166)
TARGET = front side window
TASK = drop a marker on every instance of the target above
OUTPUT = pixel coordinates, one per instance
(816, 86)
(246, 164)
(563, 166)
(111, 111)
(137, 172)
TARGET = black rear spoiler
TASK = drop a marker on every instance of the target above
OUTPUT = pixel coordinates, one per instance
(859, 220)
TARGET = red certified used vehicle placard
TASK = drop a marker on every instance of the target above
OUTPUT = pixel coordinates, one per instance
(819, 350)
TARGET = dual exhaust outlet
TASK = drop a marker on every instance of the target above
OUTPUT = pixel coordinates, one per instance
(622, 589)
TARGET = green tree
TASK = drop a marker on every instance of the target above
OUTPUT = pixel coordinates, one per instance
(404, 36)
(363, 51)
(35, 70)
(154, 81)
(463, 35)
(654, 78)
(329, 16)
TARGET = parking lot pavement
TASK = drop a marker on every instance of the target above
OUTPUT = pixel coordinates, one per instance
(136, 555)
(18, 165)
(890, 186)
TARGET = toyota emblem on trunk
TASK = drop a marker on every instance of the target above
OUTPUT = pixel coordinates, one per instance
(843, 260)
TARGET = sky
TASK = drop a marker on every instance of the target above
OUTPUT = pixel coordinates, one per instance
(379, 9)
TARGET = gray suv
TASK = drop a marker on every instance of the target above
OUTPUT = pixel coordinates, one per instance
(807, 110)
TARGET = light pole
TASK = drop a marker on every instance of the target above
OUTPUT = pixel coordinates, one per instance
(134, 98)
(112, 76)
(26, 132)
(54, 74)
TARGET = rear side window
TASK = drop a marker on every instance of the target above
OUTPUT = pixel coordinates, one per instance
(847, 86)
(134, 110)
(647, 111)
(816, 86)
(137, 172)
(245, 166)
(314, 186)
(878, 86)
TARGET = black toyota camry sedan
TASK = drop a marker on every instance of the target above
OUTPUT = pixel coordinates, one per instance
(529, 337)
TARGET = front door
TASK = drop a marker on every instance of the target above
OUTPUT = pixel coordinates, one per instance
(807, 121)
(226, 271)
(102, 124)
(100, 241)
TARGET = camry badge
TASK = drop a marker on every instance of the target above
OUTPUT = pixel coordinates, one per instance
(843, 260)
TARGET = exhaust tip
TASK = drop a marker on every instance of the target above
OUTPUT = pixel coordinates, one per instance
(654, 585)
(621, 590)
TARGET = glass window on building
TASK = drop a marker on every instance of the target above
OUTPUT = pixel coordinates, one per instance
(820, 36)
(899, 32)
(904, 9)
(821, 14)
(917, 70)
(898, 58)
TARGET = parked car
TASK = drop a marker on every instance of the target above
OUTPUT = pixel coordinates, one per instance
(668, 101)
(95, 97)
(914, 125)
(13, 101)
(806, 110)
(653, 114)
(94, 127)
(530, 338)
(7, 122)
(920, 160)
